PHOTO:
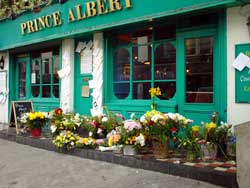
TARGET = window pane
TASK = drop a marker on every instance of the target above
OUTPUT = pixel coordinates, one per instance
(122, 39)
(142, 36)
(21, 79)
(141, 90)
(142, 62)
(35, 72)
(121, 90)
(35, 91)
(168, 89)
(165, 62)
(121, 65)
(46, 91)
(46, 71)
(56, 91)
(55, 69)
(165, 32)
(199, 70)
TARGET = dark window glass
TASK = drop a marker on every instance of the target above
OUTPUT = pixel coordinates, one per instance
(35, 91)
(165, 32)
(165, 61)
(56, 91)
(142, 36)
(168, 89)
(199, 70)
(21, 80)
(46, 91)
(140, 90)
(121, 65)
(121, 90)
(121, 39)
(142, 62)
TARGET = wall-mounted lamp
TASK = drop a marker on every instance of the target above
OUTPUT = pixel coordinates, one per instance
(248, 24)
(2, 63)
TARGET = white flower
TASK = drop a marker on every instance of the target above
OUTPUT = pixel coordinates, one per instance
(172, 116)
(140, 140)
(143, 119)
(90, 134)
(72, 143)
(53, 128)
(99, 131)
(132, 116)
(104, 119)
(157, 117)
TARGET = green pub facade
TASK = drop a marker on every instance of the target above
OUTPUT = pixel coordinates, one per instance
(83, 55)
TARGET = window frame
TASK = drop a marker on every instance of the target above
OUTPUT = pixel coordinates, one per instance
(154, 44)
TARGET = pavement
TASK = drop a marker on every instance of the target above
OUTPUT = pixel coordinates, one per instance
(27, 167)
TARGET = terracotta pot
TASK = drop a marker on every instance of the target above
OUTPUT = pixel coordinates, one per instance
(36, 132)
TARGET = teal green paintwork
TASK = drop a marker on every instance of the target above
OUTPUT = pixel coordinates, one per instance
(39, 104)
(198, 112)
(140, 11)
(242, 88)
(82, 104)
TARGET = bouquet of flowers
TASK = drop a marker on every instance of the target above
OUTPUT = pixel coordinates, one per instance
(34, 120)
(66, 140)
(154, 92)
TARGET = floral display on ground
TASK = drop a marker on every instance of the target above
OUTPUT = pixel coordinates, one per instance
(155, 132)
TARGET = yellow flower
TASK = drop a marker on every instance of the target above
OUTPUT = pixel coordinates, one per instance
(154, 91)
(195, 128)
(110, 141)
(210, 126)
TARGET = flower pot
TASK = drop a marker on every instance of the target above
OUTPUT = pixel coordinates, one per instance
(160, 148)
(191, 155)
(36, 132)
(209, 151)
(129, 150)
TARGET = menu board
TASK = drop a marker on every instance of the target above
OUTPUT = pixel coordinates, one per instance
(242, 78)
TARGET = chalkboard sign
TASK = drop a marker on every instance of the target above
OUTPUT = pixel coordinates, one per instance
(17, 109)
(242, 78)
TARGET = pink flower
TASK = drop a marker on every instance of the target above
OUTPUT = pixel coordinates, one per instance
(130, 125)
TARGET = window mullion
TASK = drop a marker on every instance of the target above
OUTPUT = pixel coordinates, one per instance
(41, 77)
(131, 72)
(51, 77)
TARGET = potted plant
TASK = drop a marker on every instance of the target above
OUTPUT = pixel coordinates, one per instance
(131, 137)
(34, 121)
(189, 140)
(157, 130)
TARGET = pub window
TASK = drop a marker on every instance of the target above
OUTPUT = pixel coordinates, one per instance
(144, 59)
(44, 77)
(199, 70)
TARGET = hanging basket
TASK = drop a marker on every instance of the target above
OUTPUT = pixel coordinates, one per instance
(160, 148)
(35, 132)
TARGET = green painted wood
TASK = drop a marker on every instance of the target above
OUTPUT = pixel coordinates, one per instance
(82, 104)
(140, 11)
(242, 78)
(202, 111)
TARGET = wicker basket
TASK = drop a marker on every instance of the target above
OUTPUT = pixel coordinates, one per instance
(160, 148)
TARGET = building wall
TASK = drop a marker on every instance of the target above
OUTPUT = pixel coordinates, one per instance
(4, 106)
(237, 33)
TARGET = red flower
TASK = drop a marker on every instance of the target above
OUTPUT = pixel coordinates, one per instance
(173, 129)
(174, 139)
(150, 123)
(58, 111)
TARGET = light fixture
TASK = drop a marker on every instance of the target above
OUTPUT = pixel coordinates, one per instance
(2, 63)
(248, 24)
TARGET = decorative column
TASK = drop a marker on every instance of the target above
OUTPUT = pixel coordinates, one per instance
(97, 74)
(67, 75)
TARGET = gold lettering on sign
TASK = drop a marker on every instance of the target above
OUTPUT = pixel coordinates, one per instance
(247, 88)
(91, 8)
(102, 9)
(114, 5)
(79, 12)
(128, 3)
(57, 19)
(71, 16)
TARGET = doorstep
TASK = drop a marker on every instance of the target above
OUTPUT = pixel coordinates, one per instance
(218, 173)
